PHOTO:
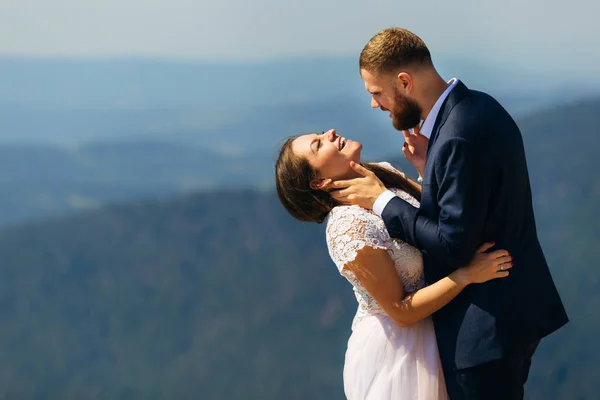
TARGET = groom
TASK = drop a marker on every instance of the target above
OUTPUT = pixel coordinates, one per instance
(475, 189)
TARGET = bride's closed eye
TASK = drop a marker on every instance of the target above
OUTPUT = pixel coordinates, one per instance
(320, 142)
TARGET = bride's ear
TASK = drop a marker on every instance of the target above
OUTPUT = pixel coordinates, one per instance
(320, 184)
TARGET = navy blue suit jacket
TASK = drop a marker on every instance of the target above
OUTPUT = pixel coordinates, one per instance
(476, 189)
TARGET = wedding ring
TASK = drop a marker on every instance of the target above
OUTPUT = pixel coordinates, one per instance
(501, 267)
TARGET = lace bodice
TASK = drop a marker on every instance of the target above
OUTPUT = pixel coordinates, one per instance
(350, 228)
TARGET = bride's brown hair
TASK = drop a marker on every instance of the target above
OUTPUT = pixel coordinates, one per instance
(293, 175)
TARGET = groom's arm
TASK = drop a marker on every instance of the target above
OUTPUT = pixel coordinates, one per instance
(463, 198)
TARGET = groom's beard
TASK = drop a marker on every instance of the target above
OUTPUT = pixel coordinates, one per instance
(406, 113)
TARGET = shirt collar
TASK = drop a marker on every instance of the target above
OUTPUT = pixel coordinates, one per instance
(427, 127)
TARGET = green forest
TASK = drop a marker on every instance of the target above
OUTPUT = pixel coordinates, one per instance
(220, 295)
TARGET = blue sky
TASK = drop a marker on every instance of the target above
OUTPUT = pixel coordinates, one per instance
(535, 33)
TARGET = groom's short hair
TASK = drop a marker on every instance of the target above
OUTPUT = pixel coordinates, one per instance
(394, 48)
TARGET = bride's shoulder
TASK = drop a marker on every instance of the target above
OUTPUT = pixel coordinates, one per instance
(390, 167)
(406, 197)
(343, 219)
(399, 192)
(344, 212)
(350, 228)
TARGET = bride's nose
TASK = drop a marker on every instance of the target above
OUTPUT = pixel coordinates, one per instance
(330, 135)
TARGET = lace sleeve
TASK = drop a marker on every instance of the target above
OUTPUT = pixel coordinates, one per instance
(351, 228)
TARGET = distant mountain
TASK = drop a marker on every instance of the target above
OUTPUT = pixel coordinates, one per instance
(71, 101)
(223, 296)
(42, 181)
(82, 133)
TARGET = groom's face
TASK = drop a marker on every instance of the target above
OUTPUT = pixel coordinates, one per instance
(404, 111)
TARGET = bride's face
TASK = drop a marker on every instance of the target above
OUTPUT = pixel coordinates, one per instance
(328, 153)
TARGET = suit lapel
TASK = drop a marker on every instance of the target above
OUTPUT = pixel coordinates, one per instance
(454, 97)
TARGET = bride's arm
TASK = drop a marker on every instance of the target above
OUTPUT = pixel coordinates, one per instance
(375, 271)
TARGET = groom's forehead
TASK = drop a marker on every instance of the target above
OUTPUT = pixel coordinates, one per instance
(372, 84)
(372, 87)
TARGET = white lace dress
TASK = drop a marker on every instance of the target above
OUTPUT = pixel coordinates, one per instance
(384, 361)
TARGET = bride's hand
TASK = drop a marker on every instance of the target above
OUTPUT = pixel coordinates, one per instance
(415, 148)
(487, 266)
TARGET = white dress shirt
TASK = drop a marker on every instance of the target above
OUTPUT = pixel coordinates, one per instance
(426, 130)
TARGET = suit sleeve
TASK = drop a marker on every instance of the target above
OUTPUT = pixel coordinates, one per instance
(463, 197)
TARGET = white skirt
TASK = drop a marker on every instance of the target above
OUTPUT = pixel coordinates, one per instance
(385, 361)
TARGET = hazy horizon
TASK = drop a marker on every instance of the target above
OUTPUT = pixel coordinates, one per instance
(527, 33)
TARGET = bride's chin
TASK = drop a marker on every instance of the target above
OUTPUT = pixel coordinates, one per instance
(355, 151)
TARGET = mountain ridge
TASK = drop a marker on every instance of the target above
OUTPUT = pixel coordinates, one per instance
(223, 294)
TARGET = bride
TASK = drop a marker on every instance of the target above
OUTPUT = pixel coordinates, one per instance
(392, 351)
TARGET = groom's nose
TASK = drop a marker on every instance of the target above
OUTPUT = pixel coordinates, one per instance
(374, 103)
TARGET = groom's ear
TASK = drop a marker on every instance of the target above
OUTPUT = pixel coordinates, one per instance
(320, 184)
(404, 81)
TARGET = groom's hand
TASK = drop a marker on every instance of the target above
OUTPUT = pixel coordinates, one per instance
(362, 191)
(415, 148)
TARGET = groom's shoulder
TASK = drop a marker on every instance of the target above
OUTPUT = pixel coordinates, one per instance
(471, 117)
(475, 109)
(478, 100)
